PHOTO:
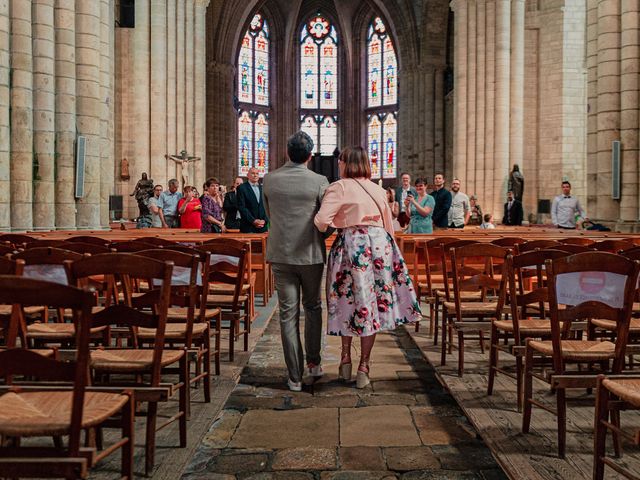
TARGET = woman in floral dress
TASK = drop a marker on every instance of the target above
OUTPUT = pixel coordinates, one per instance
(368, 286)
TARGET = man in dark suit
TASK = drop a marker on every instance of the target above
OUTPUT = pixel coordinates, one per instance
(253, 216)
(230, 206)
(513, 213)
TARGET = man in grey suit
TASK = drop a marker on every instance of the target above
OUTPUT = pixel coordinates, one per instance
(296, 251)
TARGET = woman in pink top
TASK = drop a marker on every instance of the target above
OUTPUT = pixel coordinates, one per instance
(368, 286)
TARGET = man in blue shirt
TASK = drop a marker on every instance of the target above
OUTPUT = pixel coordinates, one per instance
(168, 204)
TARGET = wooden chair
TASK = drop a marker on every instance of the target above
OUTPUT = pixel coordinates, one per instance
(149, 310)
(228, 268)
(41, 243)
(528, 308)
(508, 241)
(473, 271)
(614, 394)
(131, 246)
(613, 246)
(40, 410)
(17, 239)
(577, 241)
(89, 248)
(533, 244)
(98, 241)
(573, 248)
(8, 266)
(7, 249)
(157, 241)
(583, 286)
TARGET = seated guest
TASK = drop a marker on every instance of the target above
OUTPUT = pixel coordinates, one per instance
(190, 209)
(212, 208)
(230, 206)
(488, 221)
(513, 213)
(421, 209)
(253, 216)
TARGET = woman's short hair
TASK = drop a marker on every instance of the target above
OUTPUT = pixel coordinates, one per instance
(211, 181)
(356, 163)
(420, 181)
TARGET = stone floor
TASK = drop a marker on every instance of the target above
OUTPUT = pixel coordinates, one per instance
(403, 426)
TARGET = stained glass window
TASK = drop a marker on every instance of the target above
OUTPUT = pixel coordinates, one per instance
(382, 100)
(319, 80)
(253, 95)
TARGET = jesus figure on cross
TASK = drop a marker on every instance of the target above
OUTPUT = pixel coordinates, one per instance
(184, 160)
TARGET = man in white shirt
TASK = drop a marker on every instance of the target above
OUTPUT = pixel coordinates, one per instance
(459, 211)
(565, 207)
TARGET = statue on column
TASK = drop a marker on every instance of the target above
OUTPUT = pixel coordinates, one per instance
(184, 160)
(516, 183)
(142, 193)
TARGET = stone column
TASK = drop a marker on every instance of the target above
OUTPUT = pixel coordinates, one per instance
(592, 115)
(142, 99)
(439, 120)
(480, 42)
(21, 145)
(171, 146)
(158, 79)
(65, 125)
(469, 179)
(460, 87)
(200, 126)
(516, 146)
(107, 80)
(189, 84)
(502, 103)
(608, 102)
(5, 102)
(221, 147)
(181, 53)
(485, 197)
(43, 114)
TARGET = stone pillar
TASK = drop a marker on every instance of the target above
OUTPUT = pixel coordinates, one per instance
(107, 79)
(200, 100)
(480, 42)
(181, 53)
(88, 108)
(460, 87)
(189, 85)
(142, 99)
(516, 146)
(439, 120)
(630, 68)
(5, 102)
(65, 125)
(502, 103)
(171, 146)
(469, 178)
(485, 197)
(608, 102)
(221, 147)
(43, 114)
(21, 145)
(592, 115)
(158, 64)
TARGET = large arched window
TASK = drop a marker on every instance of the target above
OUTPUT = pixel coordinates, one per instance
(319, 83)
(382, 101)
(254, 99)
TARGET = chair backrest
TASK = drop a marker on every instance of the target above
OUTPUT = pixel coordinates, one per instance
(149, 310)
(446, 266)
(508, 241)
(157, 241)
(23, 292)
(613, 246)
(573, 248)
(89, 248)
(131, 246)
(533, 244)
(577, 241)
(8, 266)
(591, 285)
(7, 248)
(46, 263)
(16, 239)
(89, 239)
(632, 253)
(40, 243)
(228, 264)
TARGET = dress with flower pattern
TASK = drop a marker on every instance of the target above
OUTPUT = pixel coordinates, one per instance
(368, 285)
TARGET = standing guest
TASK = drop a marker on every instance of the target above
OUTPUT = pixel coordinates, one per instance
(442, 196)
(369, 289)
(156, 222)
(297, 253)
(565, 208)
(401, 195)
(190, 209)
(204, 192)
(513, 213)
(395, 209)
(488, 222)
(421, 208)
(253, 215)
(230, 206)
(211, 209)
(476, 212)
(459, 211)
(168, 203)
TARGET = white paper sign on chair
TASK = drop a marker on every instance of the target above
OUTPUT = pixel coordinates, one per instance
(577, 287)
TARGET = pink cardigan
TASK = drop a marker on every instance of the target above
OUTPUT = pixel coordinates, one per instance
(346, 204)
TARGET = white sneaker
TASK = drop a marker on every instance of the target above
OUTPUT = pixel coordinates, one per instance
(294, 386)
(314, 370)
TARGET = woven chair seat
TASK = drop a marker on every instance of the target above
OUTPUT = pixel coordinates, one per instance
(223, 289)
(627, 389)
(466, 296)
(30, 414)
(5, 310)
(45, 352)
(224, 300)
(180, 313)
(474, 308)
(56, 331)
(578, 350)
(173, 331)
(527, 327)
(434, 286)
(130, 360)
(611, 325)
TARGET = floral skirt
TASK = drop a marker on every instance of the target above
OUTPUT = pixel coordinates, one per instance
(368, 285)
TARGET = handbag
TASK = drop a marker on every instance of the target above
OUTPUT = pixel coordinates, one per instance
(387, 227)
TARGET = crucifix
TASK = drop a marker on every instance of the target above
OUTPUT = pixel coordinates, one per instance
(183, 160)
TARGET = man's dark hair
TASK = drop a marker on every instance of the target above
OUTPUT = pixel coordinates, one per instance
(566, 183)
(211, 181)
(299, 147)
(487, 217)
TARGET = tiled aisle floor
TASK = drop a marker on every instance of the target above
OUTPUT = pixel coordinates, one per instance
(403, 426)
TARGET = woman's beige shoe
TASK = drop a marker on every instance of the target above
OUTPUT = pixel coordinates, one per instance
(362, 379)
(344, 371)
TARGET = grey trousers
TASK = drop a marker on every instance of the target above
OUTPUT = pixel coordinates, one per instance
(290, 281)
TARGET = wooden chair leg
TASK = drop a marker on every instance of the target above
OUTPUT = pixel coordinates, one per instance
(217, 344)
(128, 430)
(206, 358)
(460, 353)
(493, 359)
(443, 346)
(528, 390)
(183, 399)
(600, 437)
(519, 368)
(617, 440)
(150, 438)
(232, 337)
(561, 403)
(436, 320)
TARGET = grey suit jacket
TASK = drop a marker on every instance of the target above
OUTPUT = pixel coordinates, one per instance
(292, 196)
